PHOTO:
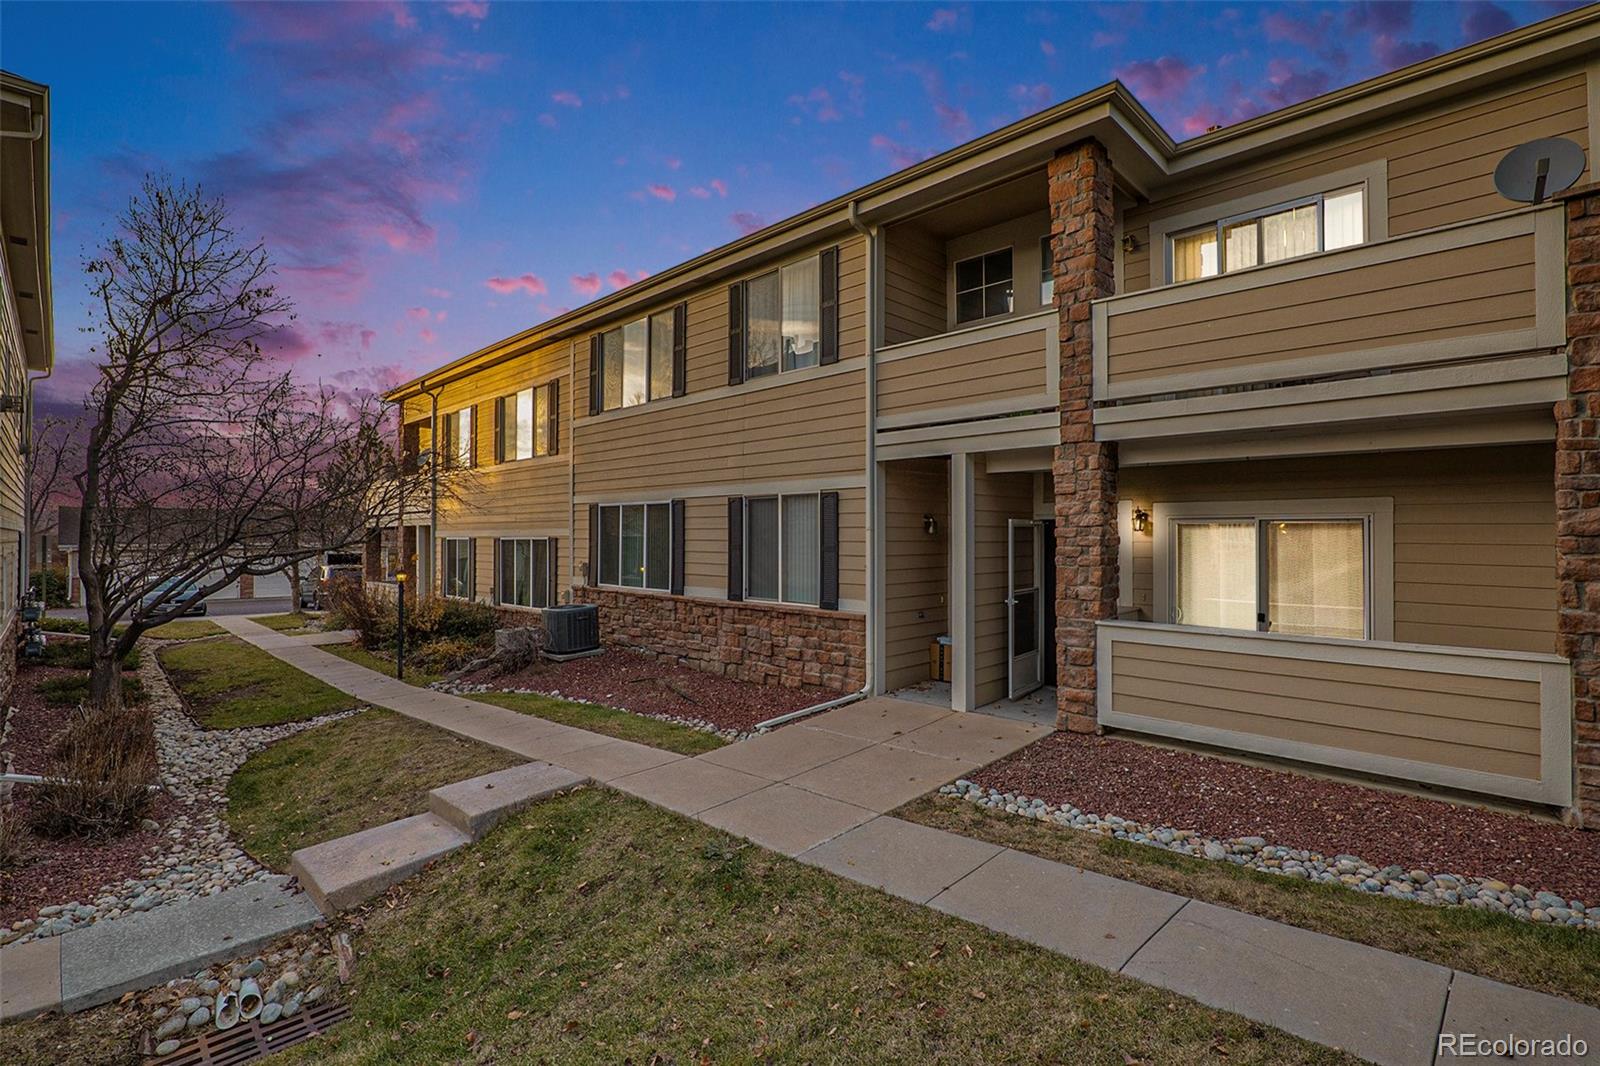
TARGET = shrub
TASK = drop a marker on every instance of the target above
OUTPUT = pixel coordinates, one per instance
(374, 617)
(74, 655)
(64, 625)
(52, 585)
(13, 838)
(99, 769)
(352, 606)
(444, 654)
(73, 690)
(466, 621)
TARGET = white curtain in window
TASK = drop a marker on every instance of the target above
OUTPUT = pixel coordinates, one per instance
(1194, 255)
(524, 426)
(635, 362)
(1241, 241)
(761, 548)
(1289, 233)
(1316, 578)
(1344, 218)
(764, 324)
(463, 441)
(802, 550)
(1214, 582)
(802, 294)
(661, 355)
(633, 545)
(611, 369)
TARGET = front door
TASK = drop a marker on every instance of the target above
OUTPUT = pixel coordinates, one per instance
(1022, 606)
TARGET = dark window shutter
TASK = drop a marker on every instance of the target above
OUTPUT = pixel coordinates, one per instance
(596, 354)
(553, 422)
(828, 599)
(680, 348)
(477, 424)
(677, 547)
(553, 574)
(736, 547)
(830, 305)
(594, 544)
(735, 334)
(500, 431)
(496, 584)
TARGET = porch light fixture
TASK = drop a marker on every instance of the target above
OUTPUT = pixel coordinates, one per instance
(1130, 243)
(1141, 520)
(930, 525)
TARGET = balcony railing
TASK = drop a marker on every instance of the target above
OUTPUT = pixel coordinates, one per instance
(1453, 294)
(1492, 722)
(982, 371)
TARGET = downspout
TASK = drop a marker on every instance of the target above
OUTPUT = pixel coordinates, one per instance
(873, 235)
(571, 421)
(24, 578)
(433, 586)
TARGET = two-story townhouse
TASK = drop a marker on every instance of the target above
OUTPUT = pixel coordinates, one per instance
(26, 331)
(1265, 440)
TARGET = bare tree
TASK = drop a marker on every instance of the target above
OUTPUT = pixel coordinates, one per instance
(54, 457)
(203, 462)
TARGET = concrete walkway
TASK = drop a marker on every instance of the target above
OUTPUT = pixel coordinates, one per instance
(819, 790)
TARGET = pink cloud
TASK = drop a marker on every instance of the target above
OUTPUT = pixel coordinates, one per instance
(699, 192)
(1159, 80)
(818, 104)
(1307, 32)
(472, 10)
(673, 162)
(621, 279)
(566, 98)
(420, 313)
(440, 316)
(1394, 53)
(532, 284)
(1047, 47)
(367, 337)
(1104, 39)
(720, 186)
(586, 284)
(1380, 16)
(901, 155)
(438, 294)
(426, 334)
(1483, 19)
(943, 20)
(662, 192)
(547, 120)
(747, 222)
(1032, 98)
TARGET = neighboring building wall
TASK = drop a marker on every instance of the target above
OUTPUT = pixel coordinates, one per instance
(1578, 497)
(1085, 470)
(1439, 162)
(996, 499)
(916, 567)
(1474, 532)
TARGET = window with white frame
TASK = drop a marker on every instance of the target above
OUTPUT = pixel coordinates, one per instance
(1317, 223)
(783, 548)
(635, 543)
(1047, 280)
(1291, 573)
(783, 319)
(984, 286)
(636, 361)
(525, 566)
(456, 577)
(459, 449)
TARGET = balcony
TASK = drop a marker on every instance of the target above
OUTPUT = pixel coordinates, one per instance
(1465, 318)
(1492, 722)
(984, 371)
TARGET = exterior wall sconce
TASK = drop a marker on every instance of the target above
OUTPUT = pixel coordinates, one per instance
(930, 525)
(1130, 243)
(1141, 520)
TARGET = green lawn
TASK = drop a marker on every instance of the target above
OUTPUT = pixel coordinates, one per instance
(186, 629)
(228, 683)
(287, 623)
(383, 664)
(345, 776)
(1557, 960)
(608, 720)
(593, 928)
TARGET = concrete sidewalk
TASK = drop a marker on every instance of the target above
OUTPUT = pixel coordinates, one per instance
(818, 791)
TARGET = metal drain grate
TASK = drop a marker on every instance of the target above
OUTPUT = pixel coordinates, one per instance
(249, 1041)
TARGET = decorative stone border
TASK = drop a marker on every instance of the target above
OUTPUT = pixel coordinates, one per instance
(1417, 886)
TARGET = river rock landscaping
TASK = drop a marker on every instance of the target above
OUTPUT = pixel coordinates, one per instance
(1333, 832)
(184, 851)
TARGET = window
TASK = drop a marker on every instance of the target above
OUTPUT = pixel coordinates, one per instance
(459, 449)
(783, 319)
(1047, 280)
(984, 286)
(636, 545)
(526, 424)
(636, 361)
(1299, 575)
(457, 574)
(1317, 223)
(783, 548)
(524, 579)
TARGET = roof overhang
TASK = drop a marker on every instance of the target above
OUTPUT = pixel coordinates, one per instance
(25, 212)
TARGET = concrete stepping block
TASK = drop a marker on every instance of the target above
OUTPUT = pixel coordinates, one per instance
(974, 738)
(30, 978)
(619, 758)
(1085, 915)
(877, 719)
(879, 777)
(689, 786)
(476, 804)
(1493, 1011)
(1372, 1003)
(914, 862)
(781, 755)
(104, 960)
(341, 873)
(784, 819)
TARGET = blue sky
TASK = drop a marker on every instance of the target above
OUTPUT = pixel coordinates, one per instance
(431, 177)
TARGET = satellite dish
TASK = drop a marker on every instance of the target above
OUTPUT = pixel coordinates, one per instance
(1532, 173)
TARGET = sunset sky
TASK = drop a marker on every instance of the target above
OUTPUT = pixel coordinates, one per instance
(430, 177)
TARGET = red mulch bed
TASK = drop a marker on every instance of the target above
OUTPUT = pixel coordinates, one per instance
(1222, 798)
(635, 682)
(58, 871)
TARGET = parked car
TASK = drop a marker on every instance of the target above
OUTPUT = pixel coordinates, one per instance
(314, 593)
(173, 591)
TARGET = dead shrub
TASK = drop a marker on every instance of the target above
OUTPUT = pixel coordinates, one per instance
(13, 837)
(99, 771)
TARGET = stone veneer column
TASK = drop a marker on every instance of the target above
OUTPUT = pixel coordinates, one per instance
(1578, 497)
(1081, 228)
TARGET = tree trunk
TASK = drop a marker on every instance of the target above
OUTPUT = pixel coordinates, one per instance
(293, 572)
(105, 674)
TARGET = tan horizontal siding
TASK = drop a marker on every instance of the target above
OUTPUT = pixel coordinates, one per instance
(1474, 532)
(913, 286)
(996, 369)
(1440, 161)
(1460, 292)
(916, 577)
